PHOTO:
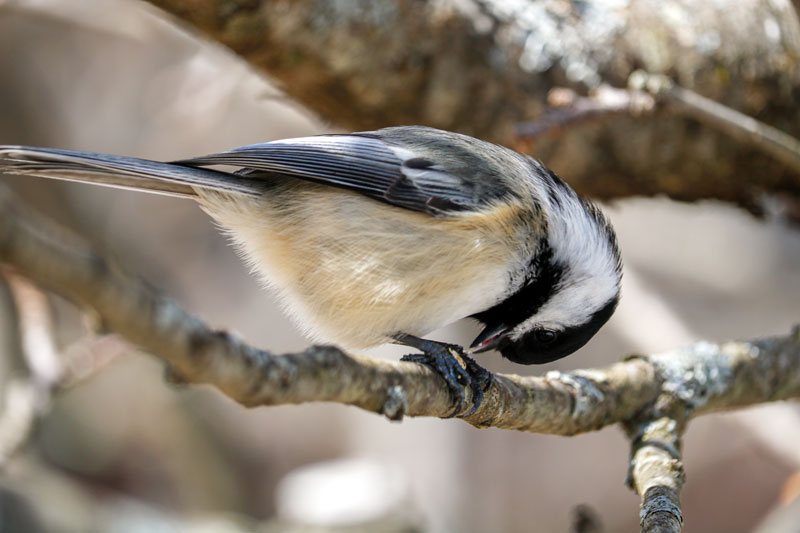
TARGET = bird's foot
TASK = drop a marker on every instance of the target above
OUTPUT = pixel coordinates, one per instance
(457, 368)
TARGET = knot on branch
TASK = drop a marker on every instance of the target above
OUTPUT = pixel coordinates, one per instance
(660, 433)
(327, 356)
(583, 385)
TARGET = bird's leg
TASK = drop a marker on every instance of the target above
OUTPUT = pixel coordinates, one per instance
(453, 364)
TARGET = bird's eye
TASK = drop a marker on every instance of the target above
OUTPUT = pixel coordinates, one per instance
(545, 336)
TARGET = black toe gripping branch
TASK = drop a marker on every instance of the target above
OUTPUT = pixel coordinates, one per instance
(451, 362)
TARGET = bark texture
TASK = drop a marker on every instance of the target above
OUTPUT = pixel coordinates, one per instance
(481, 67)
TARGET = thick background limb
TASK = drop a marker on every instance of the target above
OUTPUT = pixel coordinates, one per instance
(481, 67)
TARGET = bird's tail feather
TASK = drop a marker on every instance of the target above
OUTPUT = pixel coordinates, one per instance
(120, 171)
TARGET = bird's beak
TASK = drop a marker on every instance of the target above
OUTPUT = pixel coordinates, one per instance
(488, 339)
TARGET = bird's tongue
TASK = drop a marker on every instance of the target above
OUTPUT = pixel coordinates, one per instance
(488, 339)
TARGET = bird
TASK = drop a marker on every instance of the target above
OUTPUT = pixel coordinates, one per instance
(385, 236)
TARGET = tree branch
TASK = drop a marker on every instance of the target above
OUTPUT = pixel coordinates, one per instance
(746, 129)
(565, 403)
(568, 109)
(46, 370)
(28, 396)
(652, 396)
(483, 66)
(656, 474)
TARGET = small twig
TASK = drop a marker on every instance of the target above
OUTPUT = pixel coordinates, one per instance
(656, 474)
(36, 330)
(26, 398)
(744, 128)
(87, 356)
(568, 109)
(21, 406)
(585, 520)
(645, 94)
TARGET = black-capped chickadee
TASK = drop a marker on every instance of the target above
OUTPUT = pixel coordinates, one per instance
(385, 236)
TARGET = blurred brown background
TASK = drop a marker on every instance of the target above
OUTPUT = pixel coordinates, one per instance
(125, 451)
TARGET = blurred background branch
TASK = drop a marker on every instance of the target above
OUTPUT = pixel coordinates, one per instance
(569, 109)
(482, 66)
(28, 396)
(46, 370)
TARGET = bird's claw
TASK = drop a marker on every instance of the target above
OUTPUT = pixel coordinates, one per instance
(458, 369)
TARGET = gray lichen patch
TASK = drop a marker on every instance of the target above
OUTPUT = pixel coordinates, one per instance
(695, 374)
(396, 404)
(554, 33)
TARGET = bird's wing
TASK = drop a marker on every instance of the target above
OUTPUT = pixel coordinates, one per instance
(364, 163)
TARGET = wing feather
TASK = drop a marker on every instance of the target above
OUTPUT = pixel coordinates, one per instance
(359, 163)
